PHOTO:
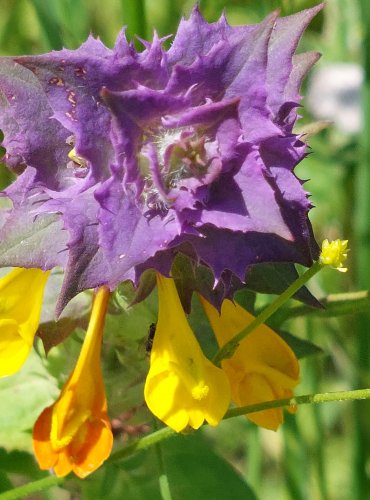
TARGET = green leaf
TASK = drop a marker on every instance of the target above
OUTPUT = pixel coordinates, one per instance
(126, 361)
(134, 16)
(23, 396)
(50, 23)
(145, 288)
(275, 278)
(5, 483)
(135, 478)
(27, 240)
(75, 314)
(194, 471)
(19, 462)
(338, 304)
(191, 277)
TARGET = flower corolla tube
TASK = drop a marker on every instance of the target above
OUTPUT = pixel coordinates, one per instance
(125, 158)
(183, 388)
(74, 434)
(263, 367)
(21, 293)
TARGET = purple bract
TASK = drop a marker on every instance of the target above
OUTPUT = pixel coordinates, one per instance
(125, 158)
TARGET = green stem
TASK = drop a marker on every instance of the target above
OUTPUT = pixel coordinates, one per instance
(164, 486)
(314, 373)
(30, 488)
(228, 349)
(166, 432)
(295, 460)
(361, 451)
(325, 397)
(141, 444)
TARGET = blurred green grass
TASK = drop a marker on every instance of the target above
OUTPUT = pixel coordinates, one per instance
(314, 456)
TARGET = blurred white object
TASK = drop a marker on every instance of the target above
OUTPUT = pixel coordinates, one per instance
(334, 94)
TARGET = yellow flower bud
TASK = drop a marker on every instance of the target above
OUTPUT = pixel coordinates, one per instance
(334, 254)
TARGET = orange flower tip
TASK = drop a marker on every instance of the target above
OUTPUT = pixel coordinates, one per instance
(74, 434)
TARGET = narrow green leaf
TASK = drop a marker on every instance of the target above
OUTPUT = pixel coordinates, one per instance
(49, 22)
(134, 15)
(145, 288)
(333, 305)
(361, 448)
(28, 489)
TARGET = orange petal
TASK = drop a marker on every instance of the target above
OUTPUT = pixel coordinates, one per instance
(96, 449)
(45, 455)
(264, 347)
(64, 464)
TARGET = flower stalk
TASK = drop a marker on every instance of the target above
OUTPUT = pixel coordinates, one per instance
(229, 348)
(263, 368)
(333, 254)
(165, 433)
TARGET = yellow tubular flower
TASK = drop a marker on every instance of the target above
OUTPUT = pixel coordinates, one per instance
(74, 434)
(263, 367)
(21, 293)
(183, 388)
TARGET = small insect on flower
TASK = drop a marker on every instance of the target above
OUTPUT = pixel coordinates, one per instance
(183, 388)
(150, 338)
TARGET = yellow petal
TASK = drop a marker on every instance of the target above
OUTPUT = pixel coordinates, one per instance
(263, 367)
(21, 293)
(183, 388)
(254, 389)
(13, 349)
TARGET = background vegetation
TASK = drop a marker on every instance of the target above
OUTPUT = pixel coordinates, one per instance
(321, 453)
